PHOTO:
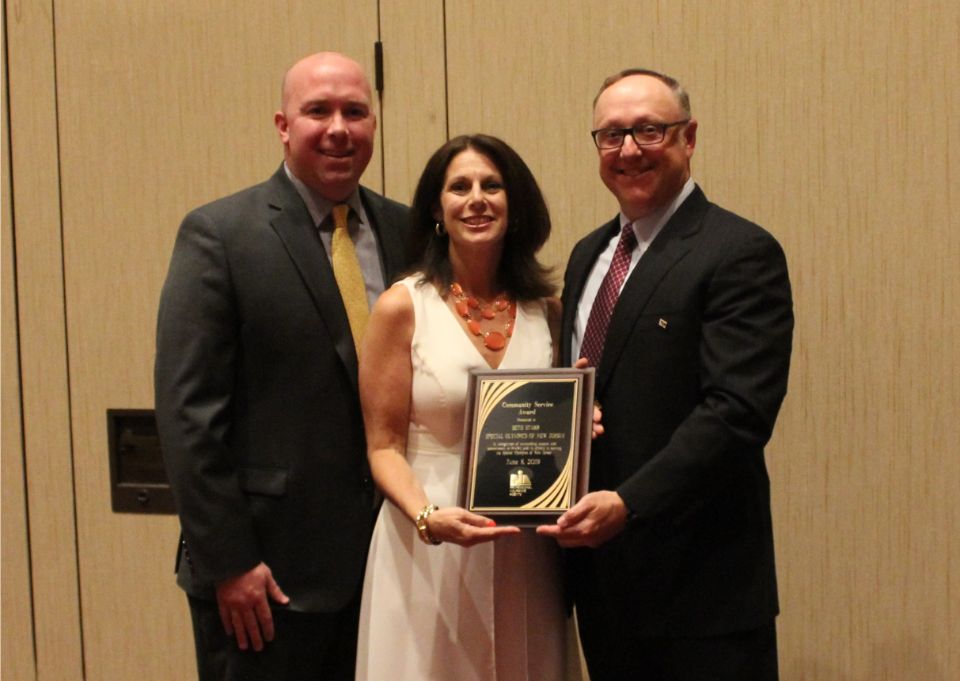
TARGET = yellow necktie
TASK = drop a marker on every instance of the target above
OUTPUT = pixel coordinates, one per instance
(346, 270)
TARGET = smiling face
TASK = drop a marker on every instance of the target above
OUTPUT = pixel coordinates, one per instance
(473, 201)
(644, 178)
(326, 123)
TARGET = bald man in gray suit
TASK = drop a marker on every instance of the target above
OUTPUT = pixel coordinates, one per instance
(256, 394)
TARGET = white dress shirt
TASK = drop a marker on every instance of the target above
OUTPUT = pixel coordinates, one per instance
(646, 228)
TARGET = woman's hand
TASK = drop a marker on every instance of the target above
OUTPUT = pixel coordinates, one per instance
(458, 526)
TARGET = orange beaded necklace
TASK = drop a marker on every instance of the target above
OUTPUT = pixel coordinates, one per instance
(473, 311)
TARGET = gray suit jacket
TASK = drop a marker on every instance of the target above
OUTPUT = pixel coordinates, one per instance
(256, 396)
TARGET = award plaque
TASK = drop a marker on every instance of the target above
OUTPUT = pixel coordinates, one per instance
(527, 436)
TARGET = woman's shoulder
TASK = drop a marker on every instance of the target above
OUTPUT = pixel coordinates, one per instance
(391, 322)
(548, 306)
(554, 313)
(420, 286)
(396, 302)
(553, 308)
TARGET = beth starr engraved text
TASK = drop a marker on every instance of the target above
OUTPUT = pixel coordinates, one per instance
(526, 443)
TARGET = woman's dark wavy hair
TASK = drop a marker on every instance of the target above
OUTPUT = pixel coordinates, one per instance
(520, 274)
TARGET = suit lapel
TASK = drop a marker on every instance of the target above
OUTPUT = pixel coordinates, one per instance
(293, 224)
(578, 269)
(670, 246)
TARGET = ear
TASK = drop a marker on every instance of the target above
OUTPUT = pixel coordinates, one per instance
(438, 213)
(280, 121)
(690, 136)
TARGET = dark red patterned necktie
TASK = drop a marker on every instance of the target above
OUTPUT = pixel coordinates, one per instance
(602, 310)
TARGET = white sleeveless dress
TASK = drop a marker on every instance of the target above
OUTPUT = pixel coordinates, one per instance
(491, 612)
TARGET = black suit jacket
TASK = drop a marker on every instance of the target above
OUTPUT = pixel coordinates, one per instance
(256, 396)
(693, 373)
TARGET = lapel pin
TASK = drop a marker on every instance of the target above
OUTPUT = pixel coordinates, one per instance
(662, 323)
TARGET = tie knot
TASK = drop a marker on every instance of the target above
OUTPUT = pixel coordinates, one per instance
(340, 213)
(628, 237)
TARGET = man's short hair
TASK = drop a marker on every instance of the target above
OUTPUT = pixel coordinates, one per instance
(681, 94)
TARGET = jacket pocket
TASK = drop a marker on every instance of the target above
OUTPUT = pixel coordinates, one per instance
(269, 481)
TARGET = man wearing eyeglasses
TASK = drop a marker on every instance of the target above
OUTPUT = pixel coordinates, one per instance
(685, 310)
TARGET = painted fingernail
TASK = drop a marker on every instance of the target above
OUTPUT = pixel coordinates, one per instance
(491, 523)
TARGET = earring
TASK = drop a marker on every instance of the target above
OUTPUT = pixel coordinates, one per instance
(439, 230)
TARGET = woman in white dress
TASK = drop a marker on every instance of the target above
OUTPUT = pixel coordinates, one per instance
(449, 595)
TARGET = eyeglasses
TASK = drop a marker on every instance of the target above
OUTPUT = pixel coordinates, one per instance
(643, 134)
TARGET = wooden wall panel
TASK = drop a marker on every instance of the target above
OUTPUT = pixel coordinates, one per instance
(836, 127)
(414, 99)
(164, 106)
(42, 343)
(17, 659)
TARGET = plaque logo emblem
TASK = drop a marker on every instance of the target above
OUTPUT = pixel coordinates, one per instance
(520, 482)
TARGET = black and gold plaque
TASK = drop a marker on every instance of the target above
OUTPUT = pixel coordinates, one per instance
(527, 437)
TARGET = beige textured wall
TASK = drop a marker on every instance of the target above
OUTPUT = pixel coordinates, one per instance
(834, 125)
(16, 644)
(45, 399)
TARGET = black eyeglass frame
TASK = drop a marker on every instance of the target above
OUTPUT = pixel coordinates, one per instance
(632, 131)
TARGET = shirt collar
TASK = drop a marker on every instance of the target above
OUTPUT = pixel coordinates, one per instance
(318, 206)
(647, 227)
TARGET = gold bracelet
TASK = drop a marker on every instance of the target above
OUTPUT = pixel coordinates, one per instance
(422, 529)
